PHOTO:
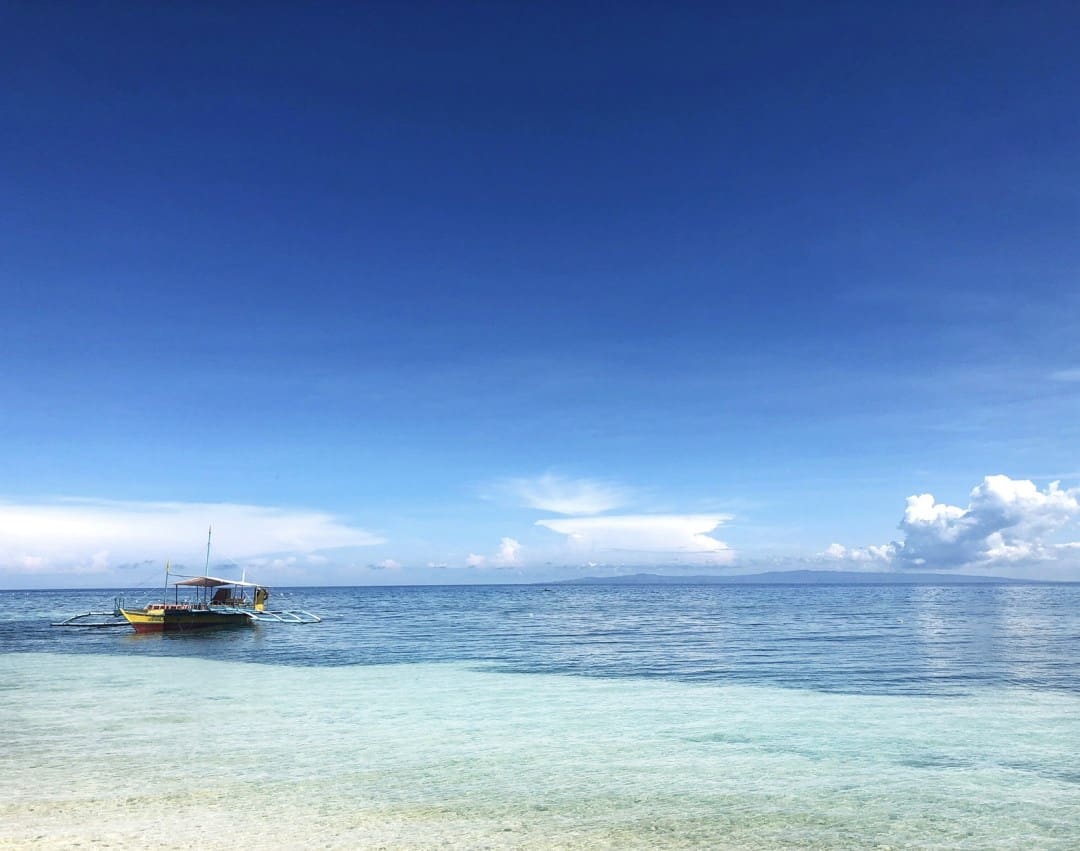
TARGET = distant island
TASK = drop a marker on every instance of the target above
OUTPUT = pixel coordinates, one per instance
(806, 577)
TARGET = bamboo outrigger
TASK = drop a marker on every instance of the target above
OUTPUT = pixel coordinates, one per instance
(100, 620)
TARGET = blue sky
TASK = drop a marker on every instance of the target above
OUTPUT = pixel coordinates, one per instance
(420, 292)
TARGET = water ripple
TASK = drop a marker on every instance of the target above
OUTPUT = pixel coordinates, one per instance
(850, 639)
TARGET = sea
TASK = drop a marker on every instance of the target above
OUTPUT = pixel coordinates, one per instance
(553, 717)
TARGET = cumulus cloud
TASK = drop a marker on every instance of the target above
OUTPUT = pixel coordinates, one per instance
(561, 495)
(860, 555)
(85, 536)
(508, 555)
(1006, 521)
(655, 534)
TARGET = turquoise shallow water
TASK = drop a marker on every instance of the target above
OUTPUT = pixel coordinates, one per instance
(948, 718)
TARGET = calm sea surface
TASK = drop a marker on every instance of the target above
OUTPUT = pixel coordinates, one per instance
(559, 717)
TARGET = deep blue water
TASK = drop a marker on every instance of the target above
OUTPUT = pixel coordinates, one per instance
(923, 639)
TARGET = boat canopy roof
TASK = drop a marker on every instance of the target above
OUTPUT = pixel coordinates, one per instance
(214, 582)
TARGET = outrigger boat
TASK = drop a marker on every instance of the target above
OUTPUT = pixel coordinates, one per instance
(229, 606)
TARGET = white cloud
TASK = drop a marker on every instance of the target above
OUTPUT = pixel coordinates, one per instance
(509, 554)
(561, 495)
(1066, 375)
(76, 536)
(836, 551)
(278, 564)
(655, 534)
(1007, 521)
(860, 555)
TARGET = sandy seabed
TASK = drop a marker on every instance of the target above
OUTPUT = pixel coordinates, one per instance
(123, 751)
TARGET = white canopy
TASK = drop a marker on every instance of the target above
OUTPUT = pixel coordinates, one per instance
(214, 582)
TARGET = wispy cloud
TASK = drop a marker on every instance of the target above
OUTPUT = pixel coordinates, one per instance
(651, 534)
(1066, 374)
(95, 535)
(563, 495)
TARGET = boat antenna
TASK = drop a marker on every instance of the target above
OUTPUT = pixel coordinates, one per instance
(209, 531)
(165, 599)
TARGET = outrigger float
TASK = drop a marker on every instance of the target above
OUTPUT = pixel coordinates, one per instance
(98, 620)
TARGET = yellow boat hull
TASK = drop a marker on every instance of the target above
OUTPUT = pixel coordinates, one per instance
(166, 618)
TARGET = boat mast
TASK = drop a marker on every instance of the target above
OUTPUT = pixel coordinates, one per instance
(206, 569)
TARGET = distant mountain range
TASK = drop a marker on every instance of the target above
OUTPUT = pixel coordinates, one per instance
(804, 577)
